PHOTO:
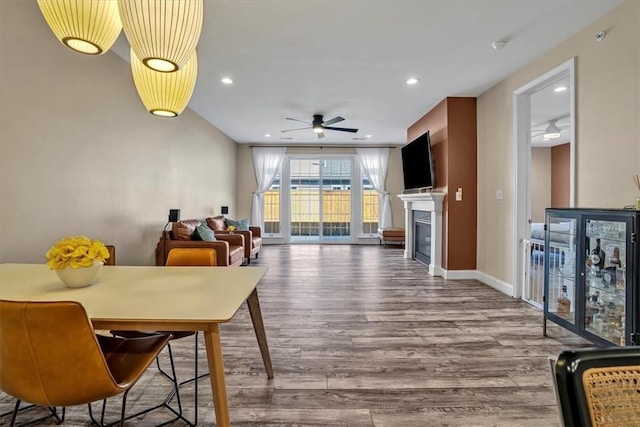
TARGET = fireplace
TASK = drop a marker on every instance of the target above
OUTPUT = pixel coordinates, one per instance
(423, 229)
(422, 236)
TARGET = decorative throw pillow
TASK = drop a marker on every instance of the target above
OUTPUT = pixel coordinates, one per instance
(206, 233)
(216, 223)
(241, 224)
(184, 230)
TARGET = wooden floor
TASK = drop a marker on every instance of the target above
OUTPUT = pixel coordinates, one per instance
(360, 336)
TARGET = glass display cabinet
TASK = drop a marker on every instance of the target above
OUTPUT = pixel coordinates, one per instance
(591, 274)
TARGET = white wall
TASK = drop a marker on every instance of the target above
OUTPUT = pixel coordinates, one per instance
(607, 130)
(79, 154)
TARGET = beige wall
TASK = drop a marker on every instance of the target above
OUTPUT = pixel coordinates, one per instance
(79, 154)
(561, 176)
(540, 182)
(247, 180)
(607, 130)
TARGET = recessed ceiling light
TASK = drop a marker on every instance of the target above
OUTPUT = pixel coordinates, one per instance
(560, 89)
(227, 80)
(267, 135)
(412, 81)
(368, 136)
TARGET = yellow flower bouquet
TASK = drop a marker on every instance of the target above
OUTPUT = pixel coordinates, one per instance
(76, 252)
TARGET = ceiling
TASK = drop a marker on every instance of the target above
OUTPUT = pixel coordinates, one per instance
(351, 58)
(549, 105)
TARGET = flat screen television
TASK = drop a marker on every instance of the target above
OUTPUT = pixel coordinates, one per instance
(417, 164)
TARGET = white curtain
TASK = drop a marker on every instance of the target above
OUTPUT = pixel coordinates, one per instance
(266, 164)
(375, 163)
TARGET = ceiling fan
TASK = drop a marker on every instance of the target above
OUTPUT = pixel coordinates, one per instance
(551, 131)
(319, 126)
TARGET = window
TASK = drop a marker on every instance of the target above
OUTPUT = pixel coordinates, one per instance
(323, 199)
(272, 208)
(370, 208)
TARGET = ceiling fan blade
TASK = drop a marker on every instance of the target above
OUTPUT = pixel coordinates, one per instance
(334, 120)
(341, 129)
(289, 130)
(296, 120)
(320, 135)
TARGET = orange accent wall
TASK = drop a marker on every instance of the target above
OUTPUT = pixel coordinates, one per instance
(560, 173)
(452, 125)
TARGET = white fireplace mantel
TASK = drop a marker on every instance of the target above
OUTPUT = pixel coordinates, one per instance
(430, 202)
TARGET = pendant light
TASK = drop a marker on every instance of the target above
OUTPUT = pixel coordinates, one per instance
(165, 94)
(86, 26)
(163, 33)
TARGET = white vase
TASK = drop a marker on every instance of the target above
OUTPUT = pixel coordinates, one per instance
(80, 277)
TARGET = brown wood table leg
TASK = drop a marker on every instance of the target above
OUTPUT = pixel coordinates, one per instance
(216, 371)
(256, 318)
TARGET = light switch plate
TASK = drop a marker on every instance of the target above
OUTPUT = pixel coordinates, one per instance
(499, 195)
(459, 195)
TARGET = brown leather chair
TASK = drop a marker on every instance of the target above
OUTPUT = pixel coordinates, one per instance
(252, 236)
(36, 354)
(179, 257)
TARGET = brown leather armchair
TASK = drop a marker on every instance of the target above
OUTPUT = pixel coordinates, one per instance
(229, 248)
(252, 237)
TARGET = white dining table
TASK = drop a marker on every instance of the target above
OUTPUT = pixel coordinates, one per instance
(155, 298)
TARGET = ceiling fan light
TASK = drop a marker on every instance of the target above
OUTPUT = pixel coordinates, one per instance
(552, 131)
(163, 34)
(165, 94)
(90, 27)
(318, 129)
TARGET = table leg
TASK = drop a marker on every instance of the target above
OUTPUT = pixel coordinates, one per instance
(256, 318)
(216, 371)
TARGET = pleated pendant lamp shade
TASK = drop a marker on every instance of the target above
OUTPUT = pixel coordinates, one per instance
(163, 33)
(86, 26)
(165, 94)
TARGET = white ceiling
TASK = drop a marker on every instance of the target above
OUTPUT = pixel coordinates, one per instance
(351, 58)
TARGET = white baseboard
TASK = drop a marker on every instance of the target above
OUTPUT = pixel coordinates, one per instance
(497, 284)
(504, 287)
(459, 274)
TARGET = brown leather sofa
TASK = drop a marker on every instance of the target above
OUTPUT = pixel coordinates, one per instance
(229, 247)
(252, 236)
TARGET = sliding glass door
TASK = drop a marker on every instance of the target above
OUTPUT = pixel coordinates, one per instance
(320, 200)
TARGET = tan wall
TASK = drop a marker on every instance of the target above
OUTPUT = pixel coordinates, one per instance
(607, 130)
(79, 154)
(540, 182)
(247, 181)
(560, 176)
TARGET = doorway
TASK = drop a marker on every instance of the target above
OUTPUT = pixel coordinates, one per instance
(320, 200)
(540, 122)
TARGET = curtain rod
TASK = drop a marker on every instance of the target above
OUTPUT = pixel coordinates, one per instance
(322, 146)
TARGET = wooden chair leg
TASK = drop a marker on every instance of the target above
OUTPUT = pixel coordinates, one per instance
(256, 318)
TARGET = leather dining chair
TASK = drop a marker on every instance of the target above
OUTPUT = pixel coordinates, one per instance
(37, 356)
(179, 257)
(112, 255)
